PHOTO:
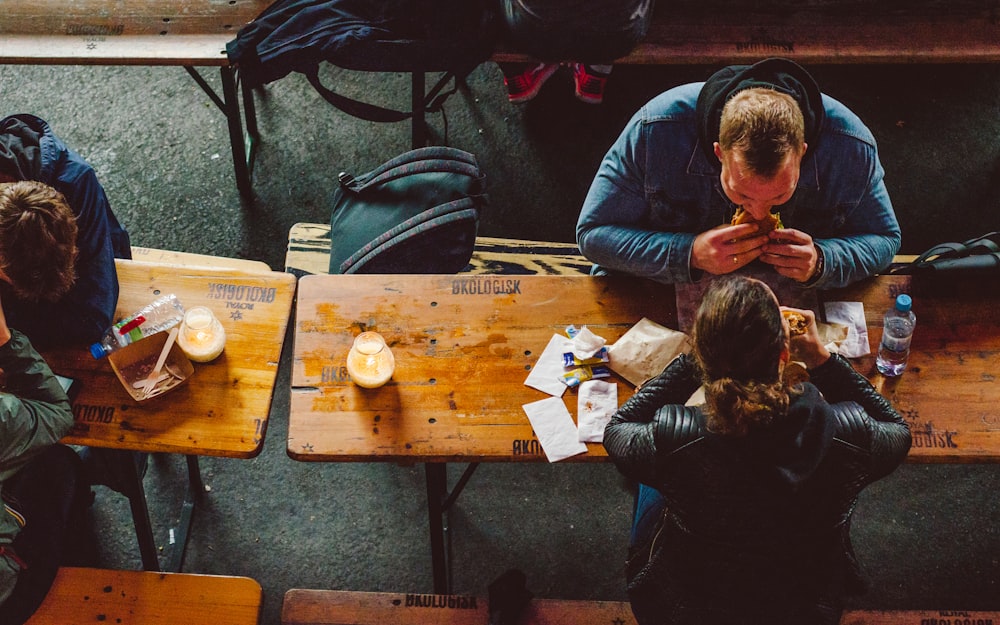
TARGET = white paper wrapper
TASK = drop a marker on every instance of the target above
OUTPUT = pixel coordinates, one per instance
(547, 372)
(852, 315)
(554, 427)
(596, 404)
(645, 350)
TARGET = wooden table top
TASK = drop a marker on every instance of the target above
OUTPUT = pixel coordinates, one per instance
(464, 346)
(223, 408)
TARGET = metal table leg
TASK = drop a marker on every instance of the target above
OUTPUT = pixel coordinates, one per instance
(193, 494)
(133, 489)
(439, 500)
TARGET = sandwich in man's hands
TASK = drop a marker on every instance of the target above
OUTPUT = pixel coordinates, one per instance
(769, 223)
(797, 323)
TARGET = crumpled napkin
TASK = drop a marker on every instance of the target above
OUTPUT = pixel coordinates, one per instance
(645, 350)
(554, 427)
(851, 315)
(596, 404)
(586, 344)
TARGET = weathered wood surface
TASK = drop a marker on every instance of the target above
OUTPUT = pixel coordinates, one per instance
(188, 259)
(84, 595)
(309, 253)
(337, 607)
(222, 410)
(122, 32)
(464, 345)
(746, 34)
(340, 607)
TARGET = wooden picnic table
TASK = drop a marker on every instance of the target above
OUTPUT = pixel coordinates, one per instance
(464, 345)
(221, 410)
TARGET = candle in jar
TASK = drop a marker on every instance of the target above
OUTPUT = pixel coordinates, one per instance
(202, 338)
(370, 362)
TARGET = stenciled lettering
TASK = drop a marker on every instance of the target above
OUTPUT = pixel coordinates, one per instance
(961, 620)
(486, 286)
(241, 293)
(929, 437)
(85, 413)
(527, 447)
(453, 602)
(334, 373)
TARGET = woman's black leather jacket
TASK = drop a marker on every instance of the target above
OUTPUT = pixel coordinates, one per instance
(762, 518)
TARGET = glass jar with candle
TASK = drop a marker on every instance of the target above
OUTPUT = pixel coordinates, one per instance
(201, 338)
(370, 362)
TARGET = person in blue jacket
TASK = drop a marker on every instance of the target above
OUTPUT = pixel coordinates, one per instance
(761, 138)
(58, 238)
(58, 244)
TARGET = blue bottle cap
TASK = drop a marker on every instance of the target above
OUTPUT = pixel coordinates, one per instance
(904, 303)
(97, 351)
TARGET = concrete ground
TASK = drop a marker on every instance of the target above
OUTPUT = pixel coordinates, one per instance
(929, 536)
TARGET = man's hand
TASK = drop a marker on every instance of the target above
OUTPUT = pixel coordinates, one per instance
(727, 248)
(792, 254)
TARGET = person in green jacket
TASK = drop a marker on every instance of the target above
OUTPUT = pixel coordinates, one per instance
(39, 477)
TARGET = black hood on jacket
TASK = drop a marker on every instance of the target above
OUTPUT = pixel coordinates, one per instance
(20, 151)
(775, 73)
(793, 448)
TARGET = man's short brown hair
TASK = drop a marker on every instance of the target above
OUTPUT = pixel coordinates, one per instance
(37, 240)
(764, 126)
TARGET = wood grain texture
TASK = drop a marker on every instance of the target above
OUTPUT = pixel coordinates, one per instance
(464, 346)
(338, 607)
(84, 596)
(223, 409)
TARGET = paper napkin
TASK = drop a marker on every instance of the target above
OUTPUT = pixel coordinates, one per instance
(554, 428)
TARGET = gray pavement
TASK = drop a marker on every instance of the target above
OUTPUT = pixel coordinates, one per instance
(927, 535)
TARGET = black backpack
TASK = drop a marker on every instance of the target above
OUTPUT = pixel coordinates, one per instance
(452, 36)
(417, 213)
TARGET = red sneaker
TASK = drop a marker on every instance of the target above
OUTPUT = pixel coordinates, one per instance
(524, 87)
(589, 83)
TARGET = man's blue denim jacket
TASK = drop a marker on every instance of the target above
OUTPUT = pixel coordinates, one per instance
(656, 189)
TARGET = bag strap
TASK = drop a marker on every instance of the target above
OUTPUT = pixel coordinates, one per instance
(354, 108)
(433, 159)
(374, 113)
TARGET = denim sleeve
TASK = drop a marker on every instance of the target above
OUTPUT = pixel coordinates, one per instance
(870, 232)
(612, 230)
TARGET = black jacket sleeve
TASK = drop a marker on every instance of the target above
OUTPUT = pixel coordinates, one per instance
(887, 432)
(630, 437)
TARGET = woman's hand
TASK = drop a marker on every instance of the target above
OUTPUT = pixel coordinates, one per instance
(807, 347)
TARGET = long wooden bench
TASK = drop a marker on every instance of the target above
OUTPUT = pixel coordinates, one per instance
(339, 607)
(309, 253)
(815, 31)
(85, 595)
(185, 33)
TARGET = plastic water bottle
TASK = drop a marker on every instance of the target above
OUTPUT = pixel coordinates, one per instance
(163, 313)
(897, 330)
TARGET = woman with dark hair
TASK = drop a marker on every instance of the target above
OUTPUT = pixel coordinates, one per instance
(744, 504)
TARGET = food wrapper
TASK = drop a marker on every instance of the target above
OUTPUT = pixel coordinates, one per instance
(645, 350)
(852, 316)
(596, 404)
